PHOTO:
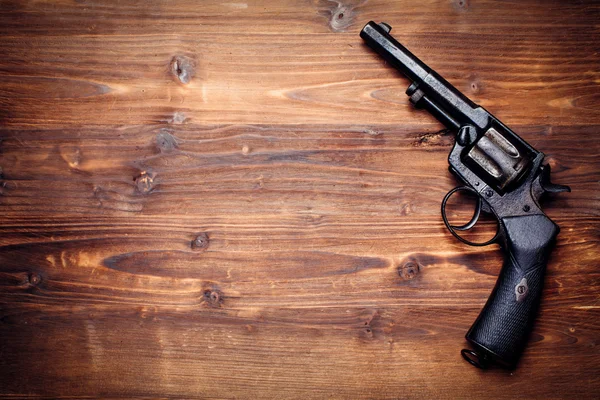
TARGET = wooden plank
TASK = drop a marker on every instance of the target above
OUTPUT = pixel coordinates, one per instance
(290, 78)
(158, 266)
(316, 172)
(261, 354)
(134, 17)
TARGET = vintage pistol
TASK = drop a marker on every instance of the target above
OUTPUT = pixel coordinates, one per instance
(508, 178)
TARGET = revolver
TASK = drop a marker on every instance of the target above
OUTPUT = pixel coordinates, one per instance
(507, 177)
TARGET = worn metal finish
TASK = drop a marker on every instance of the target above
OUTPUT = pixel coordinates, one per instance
(508, 176)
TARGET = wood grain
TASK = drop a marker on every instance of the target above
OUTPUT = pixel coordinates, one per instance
(289, 78)
(236, 200)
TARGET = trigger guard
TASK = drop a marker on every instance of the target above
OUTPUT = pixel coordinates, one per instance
(471, 223)
(474, 218)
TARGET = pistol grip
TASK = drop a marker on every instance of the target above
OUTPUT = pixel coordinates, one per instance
(503, 326)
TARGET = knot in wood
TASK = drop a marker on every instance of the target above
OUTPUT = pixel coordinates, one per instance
(71, 155)
(200, 243)
(409, 270)
(340, 20)
(445, 137)
(475, 84)
(34, 279)
(183, 69)
(461, 5)
(372, 132)
(178, 118)
(144, 182)
(213, 297)
(341, 17)
(165, 142)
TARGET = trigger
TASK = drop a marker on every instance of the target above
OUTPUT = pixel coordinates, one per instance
(542, 184)
(547, 186)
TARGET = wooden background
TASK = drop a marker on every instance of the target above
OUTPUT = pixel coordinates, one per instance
(206, 199)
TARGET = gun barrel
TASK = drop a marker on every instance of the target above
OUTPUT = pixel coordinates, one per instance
(378, 38)
(429, 90)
